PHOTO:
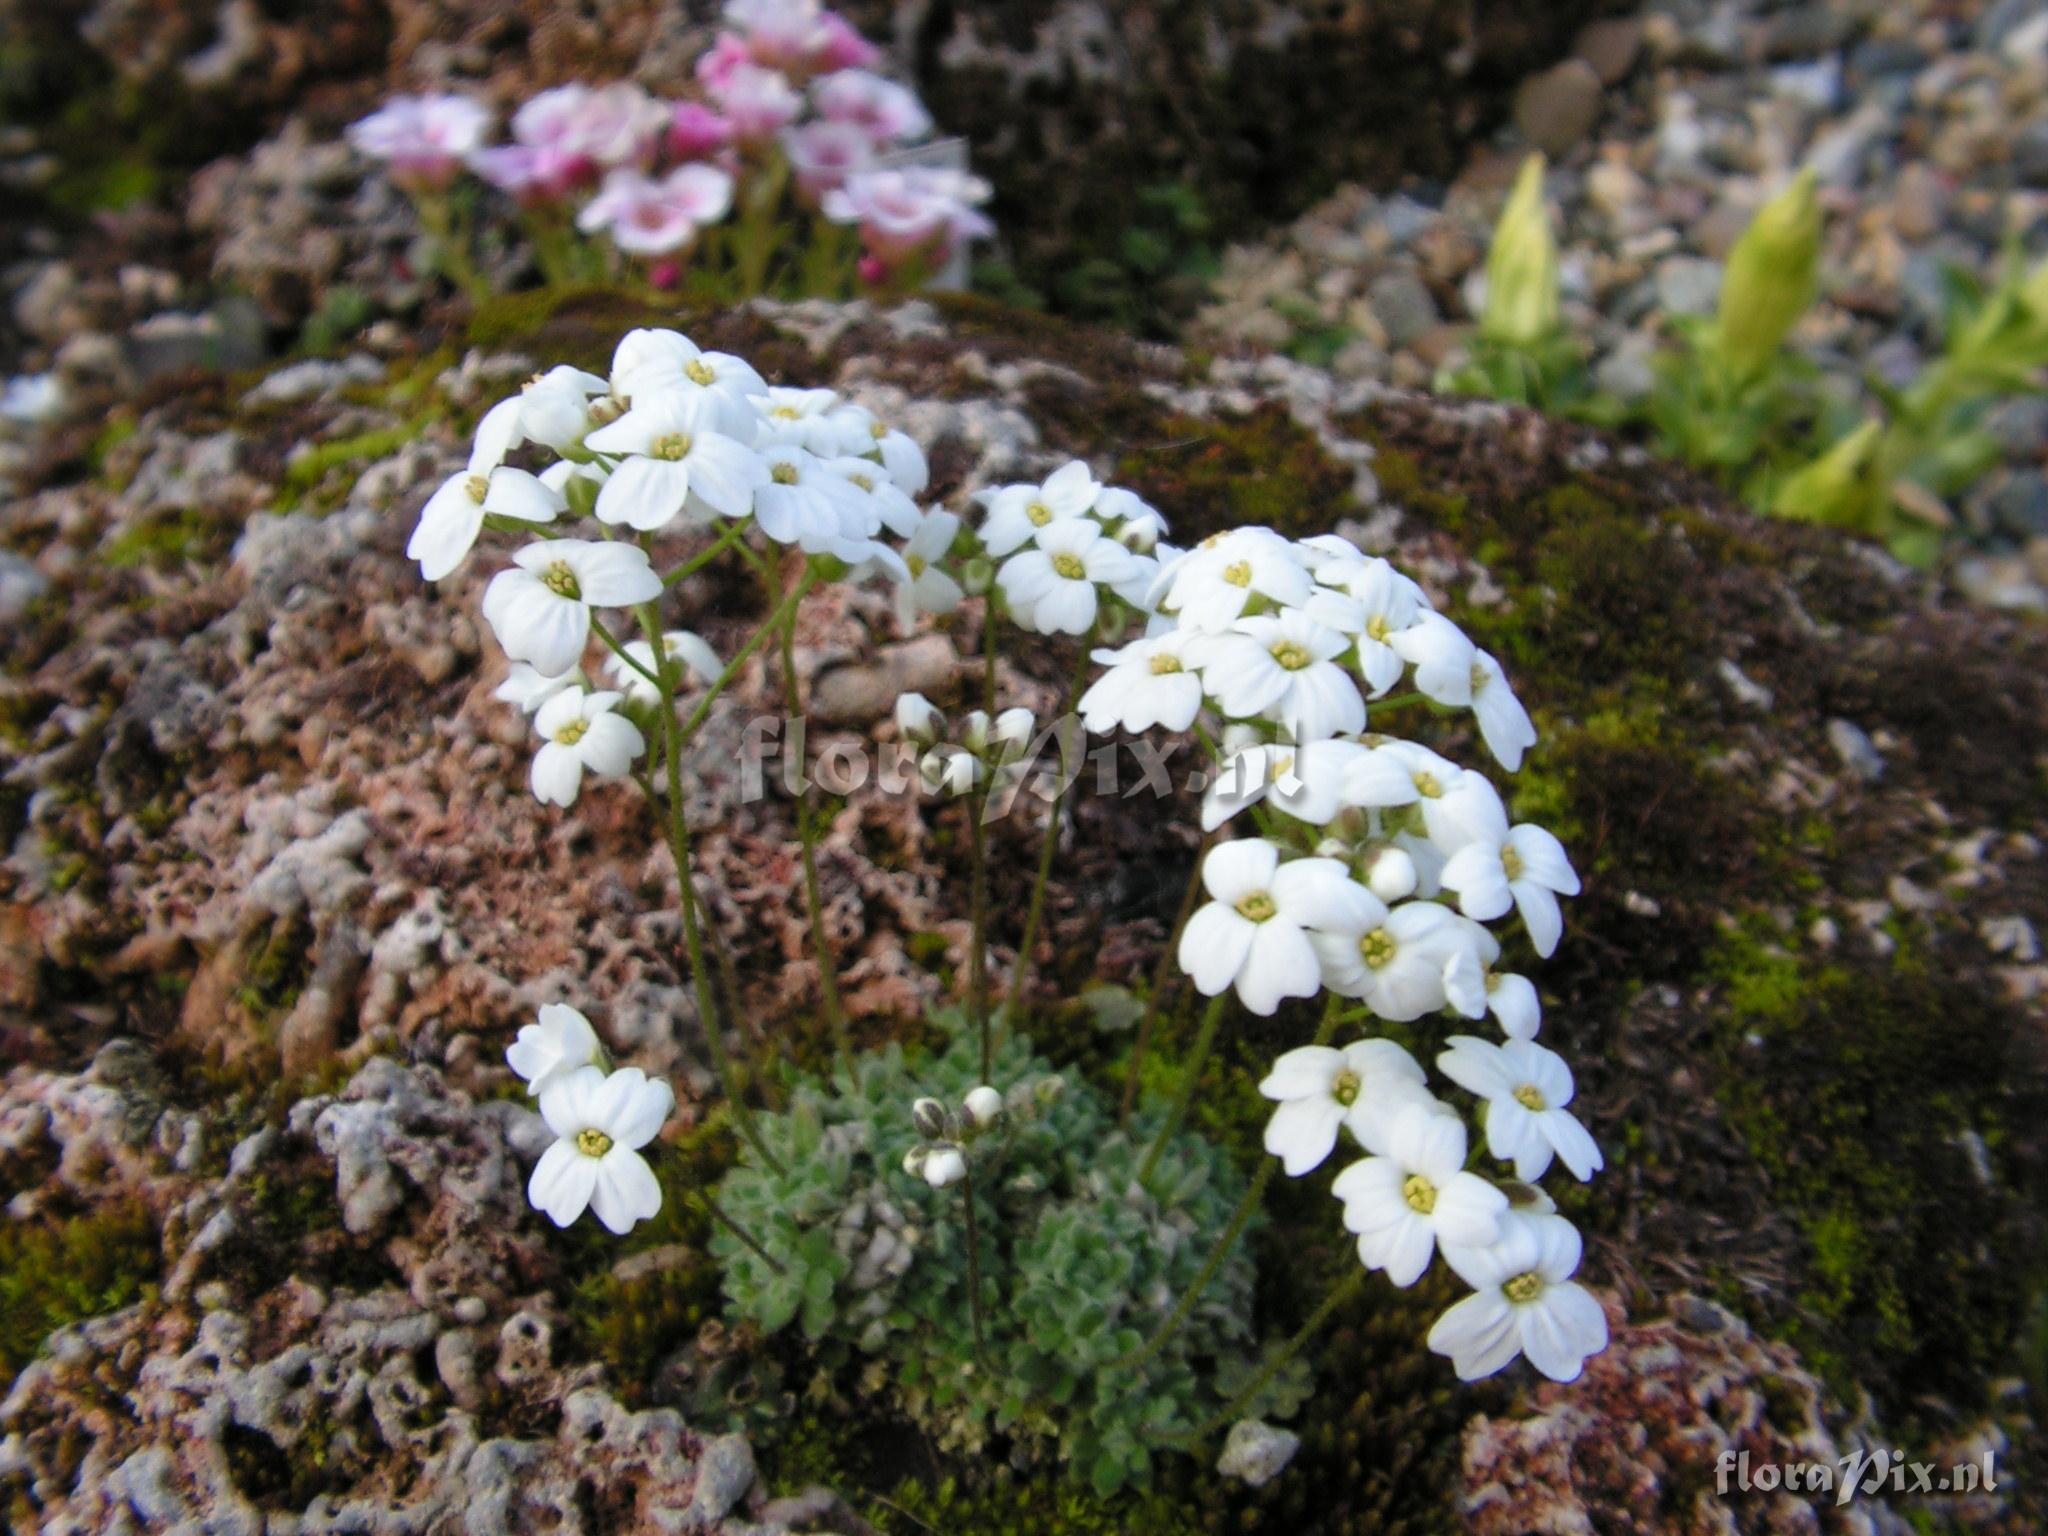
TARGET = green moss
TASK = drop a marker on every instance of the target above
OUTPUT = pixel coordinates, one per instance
(59, 1271)
(1260, 468)
(325, 473)
(167, 540)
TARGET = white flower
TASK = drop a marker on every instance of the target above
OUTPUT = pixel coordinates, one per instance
(1503, 724)
(984, 1104)
(929, 589)
(1392, 959)
(554, 409)
(805, 504)
(1281, 666)
(1304, 781)
(1526, 1088)
(1442, 655)
(454, 515)
(561, 1043)
(888, 507)
(696, 662)
(881, 108)
(600, 1122)
(1055, 582)
(1011, 732)
(810, 419)
(1133, 522)
(423, 140)
(540, 609)
(1253, 933)
(1390, 604)
(652, 362)
(1389, 873)
(943, 1166)
(578, 730)
(946, 770)
(1148, 683)
(1017, 514)
(1319, 1088)
(1524, 867)
(1513, 1002)
(677, 456)
(528, 689)
(900, 454)
(1456, 805)
(1525, 1302)
(1401, 1204)
(29, 399)
(1210, 585)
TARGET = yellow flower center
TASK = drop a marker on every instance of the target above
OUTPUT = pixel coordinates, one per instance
(862, 481)
(573, 732)
(877, 430)
(1213, 540)
(592, 1142)
(698, 372)
(786, 413)
(783, 474)
(1238, 575)
(1377, 628)
(1529, 1096)
(1511, 862)
(916, 564)
(1282, 766)
(1069, 566)
(1164, 665)
(1291, 656)
(1426, 785)
(478, 486)
(1480, 678)
(672, 447)
(1257, 907)
(1524, 1288)
(1344, 1087)
(1419, 1193)
(1377, 948)
(1039, 514)
(561, 580)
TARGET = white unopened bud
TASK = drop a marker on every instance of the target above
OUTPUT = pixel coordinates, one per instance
(914, 1160)
(1013, 731)
(1392, 875)
(919, 719)
(945, 1165)
(984, 1104)
(948, 771)
(929, 1116)
(974, 731)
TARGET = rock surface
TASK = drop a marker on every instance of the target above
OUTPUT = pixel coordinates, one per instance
(277, 896)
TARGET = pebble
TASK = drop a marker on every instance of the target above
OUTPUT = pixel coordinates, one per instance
(1557, 109)
(1404, 306)
(1688, 285)
(1255, 1452)
(1611, 46)
(1853, 746)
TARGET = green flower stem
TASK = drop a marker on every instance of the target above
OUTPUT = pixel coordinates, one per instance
(807, 835)
(760, 209)
(974, 1269)
(618, 650)
(1162, 974)
(977, 953)
(690, 567)
(718, 1214)
(1339, 1294)
(1191, 1075)
(1034, 914)
(679, 851)
(451, 244)
(1239, 1220)
(755, 641)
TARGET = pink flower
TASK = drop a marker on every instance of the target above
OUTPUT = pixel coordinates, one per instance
(824, 154)
(650, 217)
(422, 140)
(788, 35)
(888, 111)
(716, 64)
(758, 102)
(844, 47)
(618, 125)
(696, 132)
(920, 211)
(534, 175)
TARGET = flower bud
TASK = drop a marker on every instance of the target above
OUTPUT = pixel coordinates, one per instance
(1521, 268)
(1771, 277)
(974, 732)
(948, 771)
(1837, 488)
(984, 1104)
(929, 1116)
(1013, 731)
(946, 1165)
(977, 574)
(919, 719)
(1391, 874)
(1239, 737)
(914, 1160)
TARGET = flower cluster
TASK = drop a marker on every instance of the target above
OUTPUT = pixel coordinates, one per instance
(674, 440)
(787, 101)
(1373, 870)
(940, 1156)
(981, 752)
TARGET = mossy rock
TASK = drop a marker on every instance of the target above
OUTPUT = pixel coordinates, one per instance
(1803, 998)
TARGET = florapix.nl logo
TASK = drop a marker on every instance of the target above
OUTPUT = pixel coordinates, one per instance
(1860, 1474)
